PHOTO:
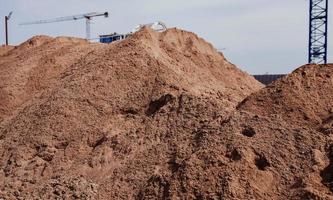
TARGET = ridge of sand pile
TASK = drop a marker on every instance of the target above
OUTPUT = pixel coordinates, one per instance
(114, 119)
(34, 66)
(303, 97)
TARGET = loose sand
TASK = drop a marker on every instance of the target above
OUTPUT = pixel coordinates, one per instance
(158, 116)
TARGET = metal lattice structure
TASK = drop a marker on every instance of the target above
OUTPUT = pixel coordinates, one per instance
(87, 16)
(318, 31)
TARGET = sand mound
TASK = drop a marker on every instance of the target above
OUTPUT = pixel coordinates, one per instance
(4, 49)
(266, 149)
(88, 121)
(303, 97)
(159, 116)
(34, 66)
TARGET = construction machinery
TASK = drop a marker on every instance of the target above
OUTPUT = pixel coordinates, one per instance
(87, 16)
(318, 31)
(157, 26)
(6, 26)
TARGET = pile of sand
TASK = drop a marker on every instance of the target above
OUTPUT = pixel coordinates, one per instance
(158, 116)
(303, 97)
(4, 49)
(34, 66)
(276, 145)
(77, 115)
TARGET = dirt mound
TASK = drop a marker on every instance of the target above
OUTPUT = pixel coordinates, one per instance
(266, 149)
(4, 49)
(159, 116)
(87, 121)
(34, 66)
(304, 97)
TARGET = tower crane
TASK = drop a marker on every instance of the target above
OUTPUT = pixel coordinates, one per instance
(87, 16)
(318, 31)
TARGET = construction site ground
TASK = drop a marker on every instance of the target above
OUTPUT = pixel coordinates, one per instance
(159, 115)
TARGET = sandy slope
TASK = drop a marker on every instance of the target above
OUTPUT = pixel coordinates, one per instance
(93, 120)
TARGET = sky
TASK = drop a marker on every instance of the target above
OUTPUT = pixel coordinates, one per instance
(259, 36)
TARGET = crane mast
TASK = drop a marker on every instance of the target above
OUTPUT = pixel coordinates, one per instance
(318, 31)
(88, 21)
(87, 16)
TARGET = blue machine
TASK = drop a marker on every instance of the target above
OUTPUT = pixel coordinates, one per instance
(112, 37)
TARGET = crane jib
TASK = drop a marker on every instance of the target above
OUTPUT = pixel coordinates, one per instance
(87, 16)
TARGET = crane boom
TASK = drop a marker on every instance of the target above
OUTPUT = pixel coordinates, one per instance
(68, 18)
(87, 16)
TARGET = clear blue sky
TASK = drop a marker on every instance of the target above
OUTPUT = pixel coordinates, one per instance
(260, 36)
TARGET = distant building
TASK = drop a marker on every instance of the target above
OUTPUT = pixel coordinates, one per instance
(267, 79)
